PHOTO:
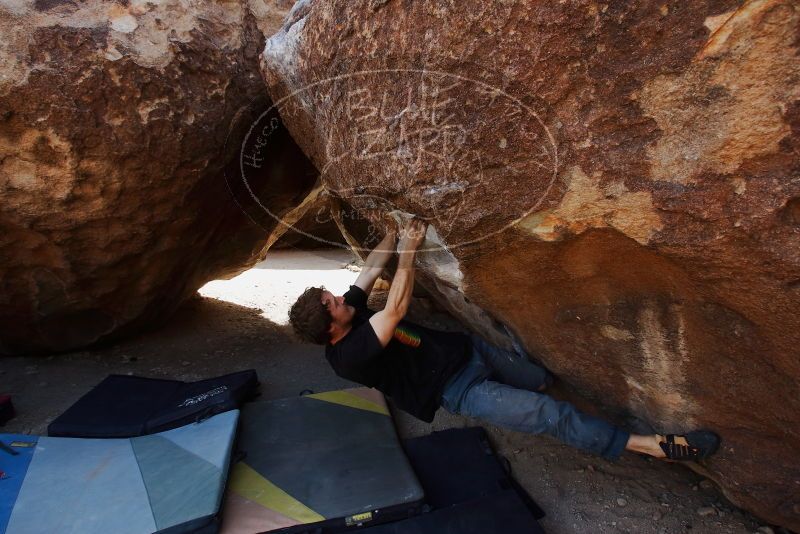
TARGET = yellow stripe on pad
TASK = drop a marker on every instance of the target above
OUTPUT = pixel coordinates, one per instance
(248, 483)
(348, 399)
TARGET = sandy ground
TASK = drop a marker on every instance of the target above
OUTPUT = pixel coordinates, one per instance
(241, 323)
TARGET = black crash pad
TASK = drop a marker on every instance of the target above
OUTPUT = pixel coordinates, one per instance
(6, 409)
(500, 513)
(459, 465)
(124, 406)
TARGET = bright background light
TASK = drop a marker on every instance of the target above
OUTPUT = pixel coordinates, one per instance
(273, 285)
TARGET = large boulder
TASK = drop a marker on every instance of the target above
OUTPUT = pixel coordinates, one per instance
(615, 182)
(114, 118)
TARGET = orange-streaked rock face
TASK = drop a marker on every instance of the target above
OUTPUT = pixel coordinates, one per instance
(616, 182)
(113, 125)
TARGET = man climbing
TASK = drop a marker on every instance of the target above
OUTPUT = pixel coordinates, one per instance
(421, 369)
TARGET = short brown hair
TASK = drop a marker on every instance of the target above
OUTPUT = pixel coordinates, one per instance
(310, 319)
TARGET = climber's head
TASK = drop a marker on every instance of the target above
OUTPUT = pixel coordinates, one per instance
(319, 316)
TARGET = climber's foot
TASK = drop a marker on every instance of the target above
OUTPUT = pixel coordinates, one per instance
(693, 446)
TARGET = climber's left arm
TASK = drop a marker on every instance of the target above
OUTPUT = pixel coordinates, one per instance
(376, 261)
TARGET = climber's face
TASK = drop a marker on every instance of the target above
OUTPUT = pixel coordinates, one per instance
(341, 313)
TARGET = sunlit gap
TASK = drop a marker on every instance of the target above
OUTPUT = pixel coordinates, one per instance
(273, 285)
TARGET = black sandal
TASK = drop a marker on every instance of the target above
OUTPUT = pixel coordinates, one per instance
(697, 445)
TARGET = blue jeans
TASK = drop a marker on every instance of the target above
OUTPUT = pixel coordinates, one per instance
(500, 387)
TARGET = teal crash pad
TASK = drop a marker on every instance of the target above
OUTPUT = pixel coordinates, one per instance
(167, 482)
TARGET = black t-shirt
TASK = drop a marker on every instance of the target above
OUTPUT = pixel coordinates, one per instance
(411, 370)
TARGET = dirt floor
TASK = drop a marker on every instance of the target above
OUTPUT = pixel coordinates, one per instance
(247, 329)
